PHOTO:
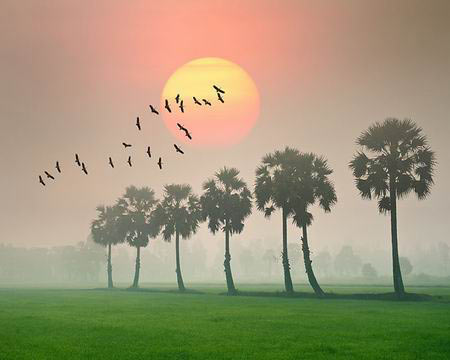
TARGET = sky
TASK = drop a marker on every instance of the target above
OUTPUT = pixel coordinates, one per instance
(74, 76)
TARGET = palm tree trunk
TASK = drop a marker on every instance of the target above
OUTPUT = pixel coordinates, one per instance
(178, 266)
(137, 268)
(227, 263)
(397, 273)
(286, 267)
(109, 269)
(308, 264)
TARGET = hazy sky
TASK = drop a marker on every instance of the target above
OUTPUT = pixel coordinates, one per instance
(74, 77)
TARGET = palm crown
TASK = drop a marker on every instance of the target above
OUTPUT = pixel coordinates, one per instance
(179, 211)
(311, 185)
(393, 153)
(136, 207)
(105, 229)
(226, 202)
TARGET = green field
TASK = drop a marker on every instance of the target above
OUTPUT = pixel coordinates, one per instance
(98, 324)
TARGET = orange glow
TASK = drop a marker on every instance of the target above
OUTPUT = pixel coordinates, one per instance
(221, 123)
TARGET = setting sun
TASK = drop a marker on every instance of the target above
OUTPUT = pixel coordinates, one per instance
(221, 123)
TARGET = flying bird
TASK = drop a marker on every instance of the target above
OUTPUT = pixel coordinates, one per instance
(41, 181)
(160, 163)
(186, 131)
(206, 102)
(154, 111)
(167, 106)
(83, 167)
(111, 162)
(218, 89)
(125, 145)
(196, 101)
(138, 123)
(129, 161)
(148, 152)
(220, 97)
(181, 106)
(77, 160)
(177, 98)
(58, 167)
(50, 176)
(177, 149)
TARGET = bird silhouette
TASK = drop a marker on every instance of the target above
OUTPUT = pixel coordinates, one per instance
(41, 181)
(58, 168)
(138, 123)
(178, 150)
(219, 96)
(125, 145)
(218, 89)
(206, 102)
(111, 162)
(160, 163)
(186, 131)
(196, 101)
(77, 160)
(154, 111)
(167, 106)
(177, 98)
(83, 167)
(181, 106)
(50, 176)
(129, 161)
(149, 152)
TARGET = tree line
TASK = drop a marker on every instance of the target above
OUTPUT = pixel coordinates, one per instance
(394, 159)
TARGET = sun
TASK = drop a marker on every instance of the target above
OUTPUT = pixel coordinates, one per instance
(218, 124)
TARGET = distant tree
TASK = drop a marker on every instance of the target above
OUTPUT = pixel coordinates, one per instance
(136, 207)
(179, 215)
(323, 262)
(105, 231)
(444, 254)
(368, 271)
(346, 262)
(247, 261)
(313, 186)
(395, 159)
(405, 265)
(226, 203)
(269, 258)
(275, 188)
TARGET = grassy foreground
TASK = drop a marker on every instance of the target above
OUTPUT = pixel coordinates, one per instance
(96, 324)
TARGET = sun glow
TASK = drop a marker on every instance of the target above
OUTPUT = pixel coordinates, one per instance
(221, 123)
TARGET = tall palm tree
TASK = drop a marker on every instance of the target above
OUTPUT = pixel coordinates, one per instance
(395, 159)
(105, 231)
(313, 186)
(136, 207)
(179, 214)
(226, 203)
(275, 187)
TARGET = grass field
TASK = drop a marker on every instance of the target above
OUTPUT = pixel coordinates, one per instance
(98, 324)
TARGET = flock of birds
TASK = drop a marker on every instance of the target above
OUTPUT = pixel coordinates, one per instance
(178, 101)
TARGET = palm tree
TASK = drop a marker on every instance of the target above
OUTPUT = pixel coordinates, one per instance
(226, 203)
(275, 187)
(178, 214)
(395, 159)
(136, 207)
(313, 186)
(105, 231)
